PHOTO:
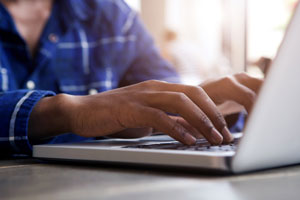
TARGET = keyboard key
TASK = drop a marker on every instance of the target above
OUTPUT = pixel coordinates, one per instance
(201, 145)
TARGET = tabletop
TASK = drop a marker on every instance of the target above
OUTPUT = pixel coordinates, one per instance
(28, 178)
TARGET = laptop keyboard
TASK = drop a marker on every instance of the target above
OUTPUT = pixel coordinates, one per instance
(201, 145)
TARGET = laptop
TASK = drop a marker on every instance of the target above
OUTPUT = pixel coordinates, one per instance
(270, 139)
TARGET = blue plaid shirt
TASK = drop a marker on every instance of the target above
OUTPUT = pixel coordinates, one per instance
(87, 46)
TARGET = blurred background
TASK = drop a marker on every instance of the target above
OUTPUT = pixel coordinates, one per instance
(205, 39)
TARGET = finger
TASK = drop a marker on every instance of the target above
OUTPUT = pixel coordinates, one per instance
(179, 103)
(187, 126)
(253, 83)
(157, 119)
(233, 90)
(203, 101)
(241, 94)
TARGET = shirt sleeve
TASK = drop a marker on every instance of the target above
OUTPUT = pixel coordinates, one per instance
(15, 109)
(148, 63)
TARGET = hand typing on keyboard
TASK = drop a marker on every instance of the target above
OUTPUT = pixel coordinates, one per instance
(146, 104)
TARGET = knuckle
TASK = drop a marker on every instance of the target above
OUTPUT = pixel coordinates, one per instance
(189, 89)
(220, 119)
(206, 121)
(227, 80)
(175, 127)
(150, 81)
(151, 84)
(201, 90)
(195, 90)
(242, 75)
(181, 97)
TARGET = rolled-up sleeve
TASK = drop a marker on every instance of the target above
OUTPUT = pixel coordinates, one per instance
(15, 109)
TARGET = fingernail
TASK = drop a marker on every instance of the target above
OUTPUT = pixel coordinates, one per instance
(216, 136)
(190, 140)
(227, 135)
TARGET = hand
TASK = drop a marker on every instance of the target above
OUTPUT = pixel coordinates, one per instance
(145, 105)
(240, 88)
(137, 106)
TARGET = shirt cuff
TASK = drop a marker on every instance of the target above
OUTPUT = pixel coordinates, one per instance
(19, 124)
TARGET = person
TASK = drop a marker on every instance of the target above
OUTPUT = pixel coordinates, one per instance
(77, 70)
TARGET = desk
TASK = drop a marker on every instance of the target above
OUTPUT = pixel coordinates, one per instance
(32, 179)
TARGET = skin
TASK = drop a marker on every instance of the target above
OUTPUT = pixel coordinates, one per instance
(134, 110)
(145, 105)
(29, 15)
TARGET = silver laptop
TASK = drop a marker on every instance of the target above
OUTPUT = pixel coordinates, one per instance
(271, 138)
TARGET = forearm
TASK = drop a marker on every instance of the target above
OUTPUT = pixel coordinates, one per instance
(50, 117)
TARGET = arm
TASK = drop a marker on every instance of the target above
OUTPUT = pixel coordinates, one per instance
(138, 106)
(132, 107)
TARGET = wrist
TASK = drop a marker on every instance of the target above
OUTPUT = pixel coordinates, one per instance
(50, 117)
